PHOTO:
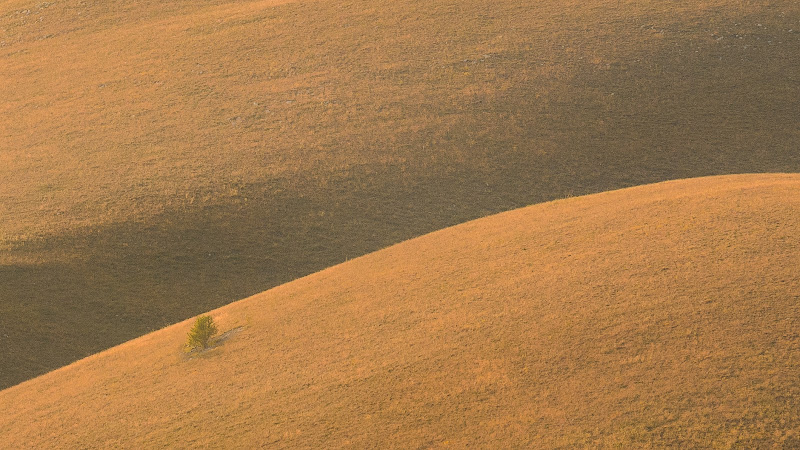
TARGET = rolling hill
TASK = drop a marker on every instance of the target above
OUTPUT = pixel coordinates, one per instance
(663, 315)
(160, 159)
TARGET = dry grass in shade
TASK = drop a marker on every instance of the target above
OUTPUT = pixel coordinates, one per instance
(161, 159)
(665, 315)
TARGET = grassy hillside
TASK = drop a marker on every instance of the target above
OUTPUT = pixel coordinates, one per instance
(665, 315)
(162, 159)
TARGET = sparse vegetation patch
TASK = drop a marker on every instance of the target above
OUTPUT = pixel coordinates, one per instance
(201, 333)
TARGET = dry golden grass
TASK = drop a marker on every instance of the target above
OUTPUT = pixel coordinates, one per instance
(664, 315)
(160, 159)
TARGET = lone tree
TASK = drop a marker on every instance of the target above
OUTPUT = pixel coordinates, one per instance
(201, 333)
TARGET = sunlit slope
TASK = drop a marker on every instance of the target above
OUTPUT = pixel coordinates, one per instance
(665, 314)
(159, 159)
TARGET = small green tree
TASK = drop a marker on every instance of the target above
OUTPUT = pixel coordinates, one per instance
(201, 333)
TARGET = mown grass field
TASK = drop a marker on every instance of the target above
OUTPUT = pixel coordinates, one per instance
(664, 316)
(160, 160)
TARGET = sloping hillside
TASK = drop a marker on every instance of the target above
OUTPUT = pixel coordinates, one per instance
(667, 314)
(159, 159)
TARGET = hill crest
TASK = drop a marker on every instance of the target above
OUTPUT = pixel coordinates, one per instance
(664, 314)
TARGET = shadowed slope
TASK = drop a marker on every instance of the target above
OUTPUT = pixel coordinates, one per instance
(665, 314)
(162, 159)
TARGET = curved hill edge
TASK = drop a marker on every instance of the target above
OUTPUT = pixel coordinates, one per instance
(344, 329)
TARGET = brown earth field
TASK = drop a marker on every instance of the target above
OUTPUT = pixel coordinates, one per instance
(664, 316)
(160, 159)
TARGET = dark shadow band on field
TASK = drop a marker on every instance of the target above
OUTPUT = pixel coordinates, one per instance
(131, 278)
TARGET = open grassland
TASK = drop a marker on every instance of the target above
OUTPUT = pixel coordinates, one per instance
(162, 159)
(664, 315)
